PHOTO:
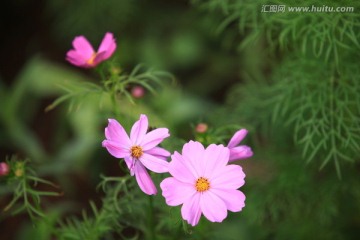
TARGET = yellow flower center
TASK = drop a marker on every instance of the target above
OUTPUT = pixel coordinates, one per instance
(202, 184)
(136, 151)
(90, 61)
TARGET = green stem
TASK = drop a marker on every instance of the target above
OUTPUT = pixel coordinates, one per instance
(332, 124)
(178, 231)
(115, 107)
(151, 223)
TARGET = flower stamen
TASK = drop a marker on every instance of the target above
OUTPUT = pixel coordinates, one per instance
(91, 60)
(202, 184)
(136, 151)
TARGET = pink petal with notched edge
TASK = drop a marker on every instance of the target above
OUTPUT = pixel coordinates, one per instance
(176, 192)
(83, 47)
(144, 180)
(108, 46)
(179, 169)
(215, 157)
(154, 164)
(190, 210)
(240, 152)
(233, 199)
(154, 137)
(115, 149)
(193, 150)
(115, 132)
(213, 207)
(228, 177)
(130, 163)
(237, 138)
(75, 58)
(158, 151)
(139, 129)
(160, 157)
(192, 155)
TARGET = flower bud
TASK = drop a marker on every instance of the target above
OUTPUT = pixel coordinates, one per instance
(4, 169)
(201, 128)
(19, 169)
(115, 70)
(138, 92)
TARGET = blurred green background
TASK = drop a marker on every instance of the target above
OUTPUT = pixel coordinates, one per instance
(292, 79)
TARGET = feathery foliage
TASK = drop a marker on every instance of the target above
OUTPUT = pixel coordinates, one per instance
(115, 85)
(324, 34)
(309, 92)
(22, 182)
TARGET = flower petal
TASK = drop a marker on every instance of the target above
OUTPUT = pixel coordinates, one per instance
(115, 149)
(108, 46)
(192, 154)
(154, 164)
(240, 152)
(228, 177)
(176, 192)
(130, 163)
(190, 210)
(237, 138)
(158, 151)
(99, 57)
(83, 47)
(153, 138)
(139, 129)
(144, 180)
(180, 170)
(233, 199)
(115, 132)
(213, 207)
(76, 58)
(215, 157)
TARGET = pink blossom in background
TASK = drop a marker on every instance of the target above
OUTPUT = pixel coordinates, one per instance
(203, 183)
(140, 150)
(239, 152)
(138, 92)
(83, 54)
(201, 128)
(4, 169)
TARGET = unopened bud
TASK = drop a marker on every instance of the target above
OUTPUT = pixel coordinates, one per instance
(19, 169)
(4, 169)
(138, 92)
(201, 128)
(115, 70)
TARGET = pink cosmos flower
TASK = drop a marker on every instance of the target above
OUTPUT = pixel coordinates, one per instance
(140, 151)
(83, 54)
(239, 152)
(203, 183)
